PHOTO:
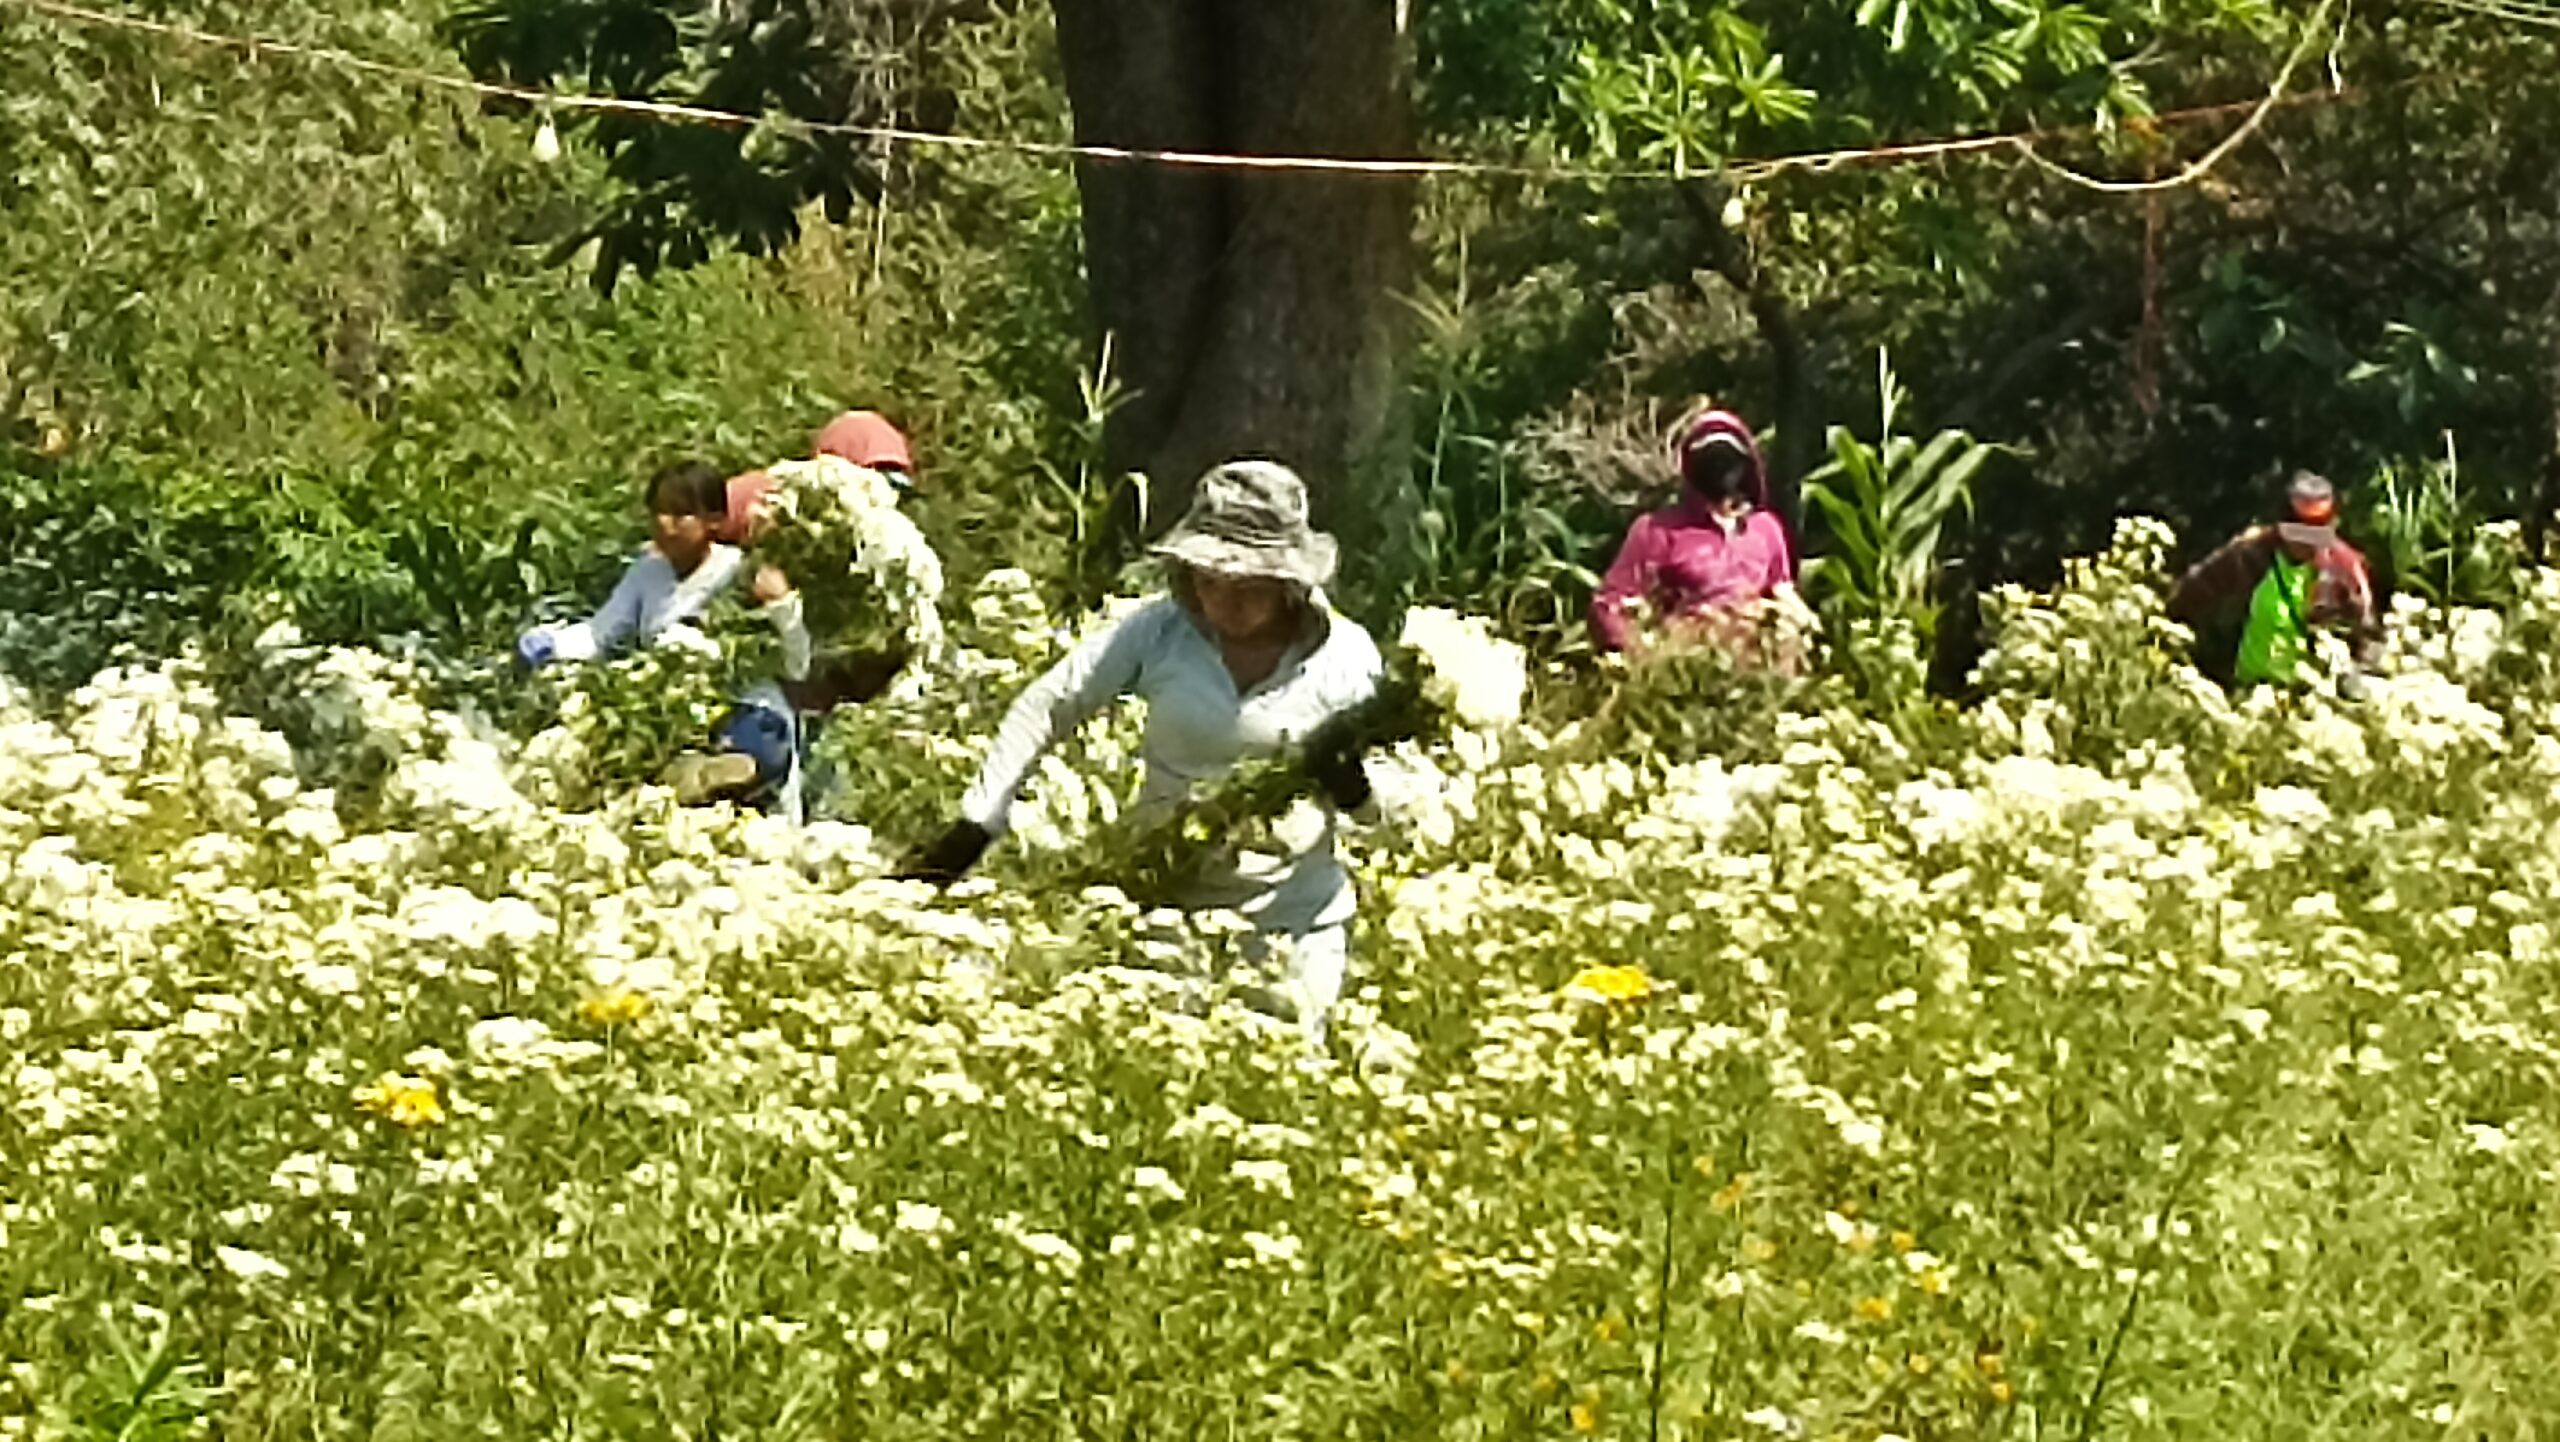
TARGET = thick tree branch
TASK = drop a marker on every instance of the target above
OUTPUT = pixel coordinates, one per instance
(1734, 259)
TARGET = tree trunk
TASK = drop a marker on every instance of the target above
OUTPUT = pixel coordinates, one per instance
(2545, 510)
(1251, 313)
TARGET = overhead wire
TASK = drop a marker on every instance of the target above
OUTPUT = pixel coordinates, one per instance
(2255, 114)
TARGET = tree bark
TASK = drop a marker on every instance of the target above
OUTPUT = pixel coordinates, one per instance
(1251, 313)
(2545, 509)
(1734, 258)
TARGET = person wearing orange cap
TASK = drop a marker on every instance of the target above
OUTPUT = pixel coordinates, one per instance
(868, 440)
(765, 742)
(2295, 576)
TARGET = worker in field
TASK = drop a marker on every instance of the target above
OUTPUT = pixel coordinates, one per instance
(667, 589)
(866, 438)
(663, 598)
(1241, 657)
(763, 750)
(2296, 577)
(1699, 569)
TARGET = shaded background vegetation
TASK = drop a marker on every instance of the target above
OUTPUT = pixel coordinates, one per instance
(275, 337)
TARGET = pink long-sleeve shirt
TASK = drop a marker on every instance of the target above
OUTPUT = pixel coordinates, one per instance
(1683, 561)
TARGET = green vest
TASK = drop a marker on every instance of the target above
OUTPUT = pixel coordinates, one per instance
(2278, 636)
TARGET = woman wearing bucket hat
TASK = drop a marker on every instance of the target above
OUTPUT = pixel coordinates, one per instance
(2295, 576)
(1242, 657)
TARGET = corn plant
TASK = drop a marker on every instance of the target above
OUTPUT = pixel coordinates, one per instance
(1884, 509)
(2434, 540)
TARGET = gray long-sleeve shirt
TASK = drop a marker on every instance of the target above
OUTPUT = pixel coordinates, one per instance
(1199, 726)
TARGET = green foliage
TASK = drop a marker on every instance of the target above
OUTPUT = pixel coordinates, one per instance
(143, 1393)
(1086, 499)
(685, 191)
(1885, 507)
(275, 330)
(2318, 299)
(1510, 528)
(1680, 704)
(1696, 84)
(2096, 663)
(631, 716)
(2433, 543)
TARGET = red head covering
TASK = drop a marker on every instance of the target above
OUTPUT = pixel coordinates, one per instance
(867, 439)
(1720, 429)
(746, 493)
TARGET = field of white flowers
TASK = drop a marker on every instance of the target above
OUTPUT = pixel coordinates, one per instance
(2108, 1059)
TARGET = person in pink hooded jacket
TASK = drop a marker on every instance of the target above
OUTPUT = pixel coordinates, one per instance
(1709, 557)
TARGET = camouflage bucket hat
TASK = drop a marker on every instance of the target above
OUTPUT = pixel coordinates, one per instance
(1249, 518)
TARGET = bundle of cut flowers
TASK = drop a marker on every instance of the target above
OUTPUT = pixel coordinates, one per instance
(1447, 673)
(869, 580)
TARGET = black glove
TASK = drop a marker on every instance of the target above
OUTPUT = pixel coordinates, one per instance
(950, 855)
(1337, 772)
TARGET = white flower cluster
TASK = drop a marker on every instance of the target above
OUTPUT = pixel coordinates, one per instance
(1481, 678)
(867, 553)
(2073, 991)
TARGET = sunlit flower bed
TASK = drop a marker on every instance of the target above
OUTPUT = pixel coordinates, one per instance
(2107, 1059)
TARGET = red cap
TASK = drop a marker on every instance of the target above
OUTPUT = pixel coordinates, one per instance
(867, 439)
(746, 494)
(2313, 501)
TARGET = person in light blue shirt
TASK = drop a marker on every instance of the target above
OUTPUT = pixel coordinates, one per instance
(1242, 657)
(661, 600)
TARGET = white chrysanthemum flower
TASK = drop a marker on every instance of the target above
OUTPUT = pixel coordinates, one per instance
(1280, 1252)
(1770, 1419)
(1481, 678)
(829, 513)
(1263, 1175)
(1051, 1250)
(2293, 806)
(250, 1266)
(1153, 1184)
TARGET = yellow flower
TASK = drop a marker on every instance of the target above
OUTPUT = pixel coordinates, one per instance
(2003, 1394)
(407, 1102)
(1586, 1418)
(1759, 1249)
(1730, 1196)
(1903, 1242)
(1608, 985)
(1989, 1364)
(1933, 1281)
(1876, 1309)
(1920, 1364)
(614, 1006)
